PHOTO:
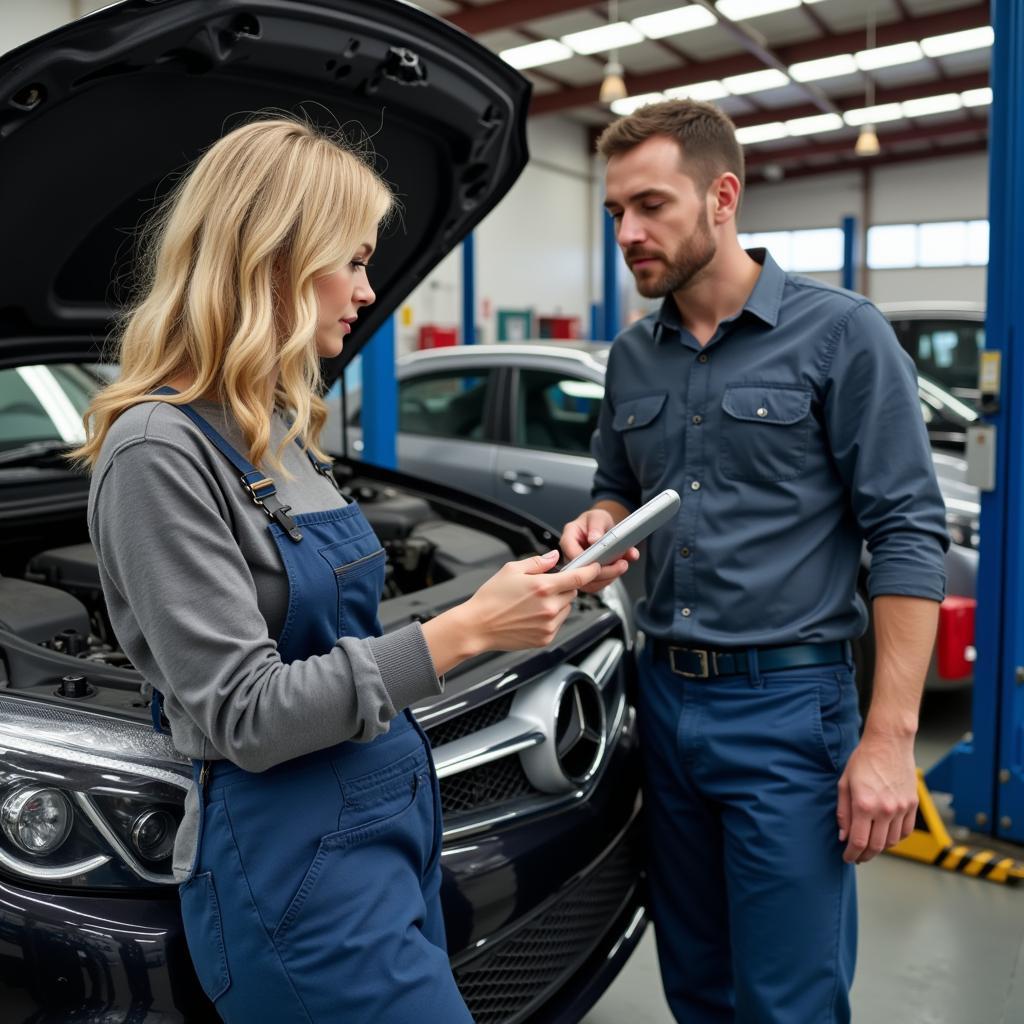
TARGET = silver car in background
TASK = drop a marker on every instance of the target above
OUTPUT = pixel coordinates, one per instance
(512, 422)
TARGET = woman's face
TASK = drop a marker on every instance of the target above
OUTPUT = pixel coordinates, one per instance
(339, 296)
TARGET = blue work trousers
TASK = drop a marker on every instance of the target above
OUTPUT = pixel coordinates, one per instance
(754, 908)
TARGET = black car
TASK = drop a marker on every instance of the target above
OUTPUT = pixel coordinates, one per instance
(536, 751)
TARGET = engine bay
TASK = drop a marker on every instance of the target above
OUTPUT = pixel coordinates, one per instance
(57, 637)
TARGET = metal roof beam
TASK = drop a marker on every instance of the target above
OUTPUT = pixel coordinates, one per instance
(510, 13)
(883, 159)
(900, 32)
(854, 101)
(892, 138)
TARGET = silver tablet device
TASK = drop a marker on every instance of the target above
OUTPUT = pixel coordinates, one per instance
(627, 534)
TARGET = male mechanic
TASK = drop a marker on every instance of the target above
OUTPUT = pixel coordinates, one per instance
(785, 414)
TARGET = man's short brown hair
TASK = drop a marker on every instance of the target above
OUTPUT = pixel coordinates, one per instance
(705, 136)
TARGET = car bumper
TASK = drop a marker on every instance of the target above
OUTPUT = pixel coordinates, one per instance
(542, 914)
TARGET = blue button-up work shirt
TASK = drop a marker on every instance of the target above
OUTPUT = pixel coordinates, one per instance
(793, 436)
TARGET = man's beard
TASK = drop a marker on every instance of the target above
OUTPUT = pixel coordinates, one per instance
(692, 256)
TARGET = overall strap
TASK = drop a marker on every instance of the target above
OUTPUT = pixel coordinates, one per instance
(258, 486)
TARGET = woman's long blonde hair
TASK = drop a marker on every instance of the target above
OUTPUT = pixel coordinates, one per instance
(228, 292)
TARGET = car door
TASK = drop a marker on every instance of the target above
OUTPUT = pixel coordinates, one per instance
(444, 430)
(544, 467)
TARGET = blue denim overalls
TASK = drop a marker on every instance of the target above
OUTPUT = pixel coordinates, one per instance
(315, 891)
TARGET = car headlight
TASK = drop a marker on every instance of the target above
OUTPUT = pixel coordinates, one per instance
(86, 800)
(963, 528)
(36, 821)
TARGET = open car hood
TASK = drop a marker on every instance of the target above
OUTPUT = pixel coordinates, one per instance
(99, 118)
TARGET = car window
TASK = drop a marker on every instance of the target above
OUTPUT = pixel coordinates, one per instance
(945, 351)
(450, 404)
(556, 412)
(44, 403)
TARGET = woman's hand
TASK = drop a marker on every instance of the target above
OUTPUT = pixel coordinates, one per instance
(519, 607)
(588, 529)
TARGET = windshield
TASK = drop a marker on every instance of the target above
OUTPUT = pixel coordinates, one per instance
(46, 403)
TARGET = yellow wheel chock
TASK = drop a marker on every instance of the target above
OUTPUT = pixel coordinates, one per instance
(931, 843)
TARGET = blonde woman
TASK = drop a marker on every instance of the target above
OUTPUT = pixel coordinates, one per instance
(245, 590)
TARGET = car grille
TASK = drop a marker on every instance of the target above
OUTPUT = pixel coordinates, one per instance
(486, 786)
(491, 713)
(505, 984)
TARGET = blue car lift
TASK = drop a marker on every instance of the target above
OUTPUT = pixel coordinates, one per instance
(611, 317)
(985, 771)
(380, 398)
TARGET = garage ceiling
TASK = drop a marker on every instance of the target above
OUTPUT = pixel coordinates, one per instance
(923, 82)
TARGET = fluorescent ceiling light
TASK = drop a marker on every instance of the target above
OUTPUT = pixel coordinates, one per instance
(761, 133)
(977, 97)
(755, 81)
(604, 37)
(631, 103)
(738, 10)
(703, 91)
(533, 55)
(816, 123)
(889, 56)
(672, 23)
(874, 115)
(958, 42)
(932, 105)
(827, 67)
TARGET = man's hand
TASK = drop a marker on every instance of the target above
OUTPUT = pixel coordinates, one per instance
(589, 528)
(877, 796)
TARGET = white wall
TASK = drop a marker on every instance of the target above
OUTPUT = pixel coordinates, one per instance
(534, 250)
(948, 188)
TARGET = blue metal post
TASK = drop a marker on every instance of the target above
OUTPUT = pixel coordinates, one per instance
(985, 773)
(380, 398)
(468, 291)
(612, 317)
(849, 281)
(596, 320)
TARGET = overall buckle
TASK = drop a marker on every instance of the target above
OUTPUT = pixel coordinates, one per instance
(699, 663)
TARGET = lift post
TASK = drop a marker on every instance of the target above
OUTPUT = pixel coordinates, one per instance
(380, 398)
(985, 772)
(610, 280)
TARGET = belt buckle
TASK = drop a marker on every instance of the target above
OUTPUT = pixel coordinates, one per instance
(707, 662)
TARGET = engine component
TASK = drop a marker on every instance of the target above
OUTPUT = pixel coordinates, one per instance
(459, 549)
(37, 613)
(392, 515)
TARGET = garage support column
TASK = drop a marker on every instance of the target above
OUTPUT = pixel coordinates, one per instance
(849, 280)
(610, 305)
(985, 773)
(380, 398)
(469, 291)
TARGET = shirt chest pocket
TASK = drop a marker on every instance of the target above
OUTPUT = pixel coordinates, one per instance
(640, 423)
(765, 431)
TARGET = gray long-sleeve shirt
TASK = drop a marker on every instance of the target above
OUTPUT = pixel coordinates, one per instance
(793, 436)
(197, 594)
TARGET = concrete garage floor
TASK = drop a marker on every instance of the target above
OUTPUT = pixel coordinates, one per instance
(935, 947)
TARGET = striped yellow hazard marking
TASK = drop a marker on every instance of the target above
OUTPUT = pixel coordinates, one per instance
(931, 843)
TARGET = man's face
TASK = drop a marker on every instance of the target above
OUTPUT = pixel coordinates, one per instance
(661, 220)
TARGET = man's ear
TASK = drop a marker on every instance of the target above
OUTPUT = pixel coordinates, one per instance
(725, 197)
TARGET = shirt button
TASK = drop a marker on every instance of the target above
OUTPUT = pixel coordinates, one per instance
(684, 552)
(695, 486)
(697, 420)
(685, 613)
(702, 358)
(630, 421)
(762, 411)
